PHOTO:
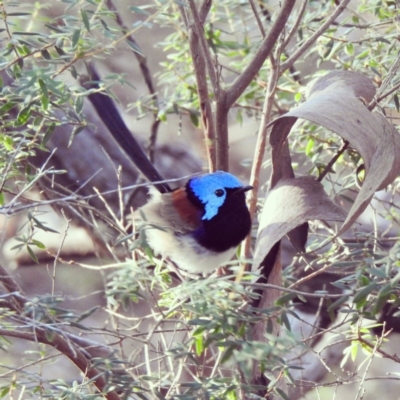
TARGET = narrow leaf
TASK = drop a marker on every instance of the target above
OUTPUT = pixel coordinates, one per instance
(75, 37)
(47, 135)
(85, 20)
(32, 254)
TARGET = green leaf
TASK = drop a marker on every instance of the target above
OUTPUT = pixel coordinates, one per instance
(364, 292)
(74, 72)
(23, 116)
(43, 87)
(354, 350)
(40, 225)
(282, 394)
(364, 54)
(134, 47)
(18, 14)
(8, 143)
(195, 119)
(77, 129)
(162, 116)
(383, 40)
(78, 104)
(199, 344)
(60, 51)
(349, 49)
(227, 354)
(7, 107)
(298, 97)
(45, 54)
(5, 390)
(285, 298)
(27, 33)
(32, 254)
(45, 94)
(199, 321)
(75, 37)
(49, 132)
(285, 320)
(338, 303)
(85, 20)
(139, 10)
(2, 199)
(88, 313)
(309, 147)
(38, 244)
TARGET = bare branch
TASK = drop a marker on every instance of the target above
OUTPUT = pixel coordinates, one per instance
(241, 83)
(204, 10)
(257, 17)
(310, 41)
(202, 89)
(17, 302)
(296, 24)
(204, 46)
(69, 350)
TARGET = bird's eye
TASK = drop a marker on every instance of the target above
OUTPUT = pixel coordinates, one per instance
(219, 192)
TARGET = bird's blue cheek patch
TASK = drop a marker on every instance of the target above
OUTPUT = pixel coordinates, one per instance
(212, 207)
(204, 188)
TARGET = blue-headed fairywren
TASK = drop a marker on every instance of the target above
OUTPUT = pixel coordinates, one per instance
(200, 225)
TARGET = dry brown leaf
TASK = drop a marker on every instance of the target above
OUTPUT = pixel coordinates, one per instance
(337, 102)
(292, 202)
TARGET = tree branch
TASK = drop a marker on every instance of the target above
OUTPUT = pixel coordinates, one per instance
(199, 66)
(240, 84)
(310, 41)
(69, 350)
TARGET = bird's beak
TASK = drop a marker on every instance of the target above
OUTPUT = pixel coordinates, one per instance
(243, 189)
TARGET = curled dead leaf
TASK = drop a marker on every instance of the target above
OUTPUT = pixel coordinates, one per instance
(337, 102)
(291, 203)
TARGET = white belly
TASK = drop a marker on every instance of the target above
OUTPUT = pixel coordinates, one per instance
(185, 252)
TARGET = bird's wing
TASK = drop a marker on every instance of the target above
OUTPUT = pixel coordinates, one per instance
(172, 211)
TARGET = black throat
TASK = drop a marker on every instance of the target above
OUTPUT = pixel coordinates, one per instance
(229, 227)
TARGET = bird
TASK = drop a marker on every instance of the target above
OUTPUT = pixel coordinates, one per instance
(197, 226)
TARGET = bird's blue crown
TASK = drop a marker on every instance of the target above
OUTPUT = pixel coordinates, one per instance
(210, 189)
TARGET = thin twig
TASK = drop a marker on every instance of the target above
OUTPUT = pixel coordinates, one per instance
(14, 208)
(244, 79)
(202, 90)
(310, 41)
(329, 166)
(17, 302)
(204, 10)
(56, 258)
(74, 354)
(392, 72)
(271, 286)
(112, 45)
(257, 17)
(204, 47)
(260, 148)
(296, 24)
